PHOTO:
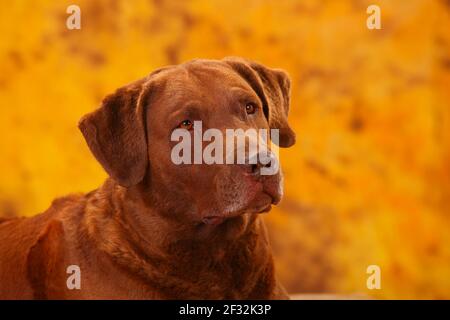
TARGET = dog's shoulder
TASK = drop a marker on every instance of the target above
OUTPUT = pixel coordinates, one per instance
(69, 202)
(35, 249)
(46, 259)
(45, 262)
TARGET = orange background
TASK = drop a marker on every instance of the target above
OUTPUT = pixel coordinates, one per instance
(368, 181)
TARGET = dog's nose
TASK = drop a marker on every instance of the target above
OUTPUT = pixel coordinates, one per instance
(262, 163)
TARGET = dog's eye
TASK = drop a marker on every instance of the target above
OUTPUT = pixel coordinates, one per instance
(186, 124)
(250, 108)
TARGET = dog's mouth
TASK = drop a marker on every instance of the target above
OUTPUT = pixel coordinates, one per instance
(248, 195)
(217, 219)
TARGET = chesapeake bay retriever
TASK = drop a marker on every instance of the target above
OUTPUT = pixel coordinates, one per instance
(156, 230)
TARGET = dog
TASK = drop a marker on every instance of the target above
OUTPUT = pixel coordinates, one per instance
(156, 230)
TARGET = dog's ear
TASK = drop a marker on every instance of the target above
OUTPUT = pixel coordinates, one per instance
(273, 88)
(116, 134)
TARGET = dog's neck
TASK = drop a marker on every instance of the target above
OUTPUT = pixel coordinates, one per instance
(169, 256)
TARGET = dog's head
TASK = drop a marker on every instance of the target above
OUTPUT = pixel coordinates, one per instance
(131, 135)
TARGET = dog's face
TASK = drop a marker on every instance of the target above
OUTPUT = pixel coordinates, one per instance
(131, 136)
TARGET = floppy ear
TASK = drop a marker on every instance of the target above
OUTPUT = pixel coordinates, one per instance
(273, 88)
(116, 134)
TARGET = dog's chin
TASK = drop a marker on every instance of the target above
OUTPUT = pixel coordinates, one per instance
(232, 223)
(228, 228)
(251, 198)
(262, 203)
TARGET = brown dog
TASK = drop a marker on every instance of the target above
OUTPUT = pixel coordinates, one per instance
(156, 230)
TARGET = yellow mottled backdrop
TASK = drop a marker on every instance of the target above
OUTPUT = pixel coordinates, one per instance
(369, 179)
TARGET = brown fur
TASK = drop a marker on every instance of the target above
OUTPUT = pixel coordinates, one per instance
(143, 234)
